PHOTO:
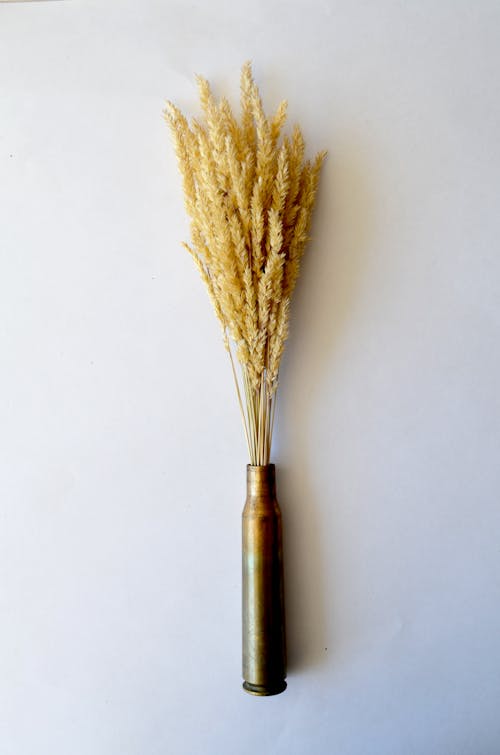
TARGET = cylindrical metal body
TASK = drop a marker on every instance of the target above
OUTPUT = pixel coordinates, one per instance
(264, 648)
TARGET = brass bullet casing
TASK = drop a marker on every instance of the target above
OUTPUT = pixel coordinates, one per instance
(264, 645)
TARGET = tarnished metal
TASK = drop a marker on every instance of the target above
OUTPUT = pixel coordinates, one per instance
(264, 646)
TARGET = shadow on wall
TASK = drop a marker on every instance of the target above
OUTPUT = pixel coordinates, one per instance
(325, 299)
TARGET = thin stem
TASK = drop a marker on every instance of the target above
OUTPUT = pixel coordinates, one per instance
(251, 415)
(273, 399)
(239, 396)
(257, 412)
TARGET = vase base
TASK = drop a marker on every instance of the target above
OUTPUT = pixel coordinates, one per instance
(264, 690)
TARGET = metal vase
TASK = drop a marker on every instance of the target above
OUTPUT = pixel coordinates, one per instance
(264, 646)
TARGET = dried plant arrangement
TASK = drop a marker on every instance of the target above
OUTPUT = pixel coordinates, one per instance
(249, 192)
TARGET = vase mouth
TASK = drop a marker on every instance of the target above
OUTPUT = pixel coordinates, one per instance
(261, 479)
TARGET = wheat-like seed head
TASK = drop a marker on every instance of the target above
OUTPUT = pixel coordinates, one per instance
(250, 198)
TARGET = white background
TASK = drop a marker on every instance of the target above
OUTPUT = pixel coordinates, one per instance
(122, 459)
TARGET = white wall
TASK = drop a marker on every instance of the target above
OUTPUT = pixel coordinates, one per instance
(121, 453)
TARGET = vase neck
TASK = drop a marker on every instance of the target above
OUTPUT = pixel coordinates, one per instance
(261, 480)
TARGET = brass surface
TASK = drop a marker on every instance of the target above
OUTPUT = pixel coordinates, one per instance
(264, 645)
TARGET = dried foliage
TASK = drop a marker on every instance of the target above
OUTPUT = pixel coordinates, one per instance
(249, 192)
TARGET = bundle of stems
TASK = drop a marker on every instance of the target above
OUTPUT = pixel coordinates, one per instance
(249, 192)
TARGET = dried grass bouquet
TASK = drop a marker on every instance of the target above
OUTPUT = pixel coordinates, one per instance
(249, 192)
